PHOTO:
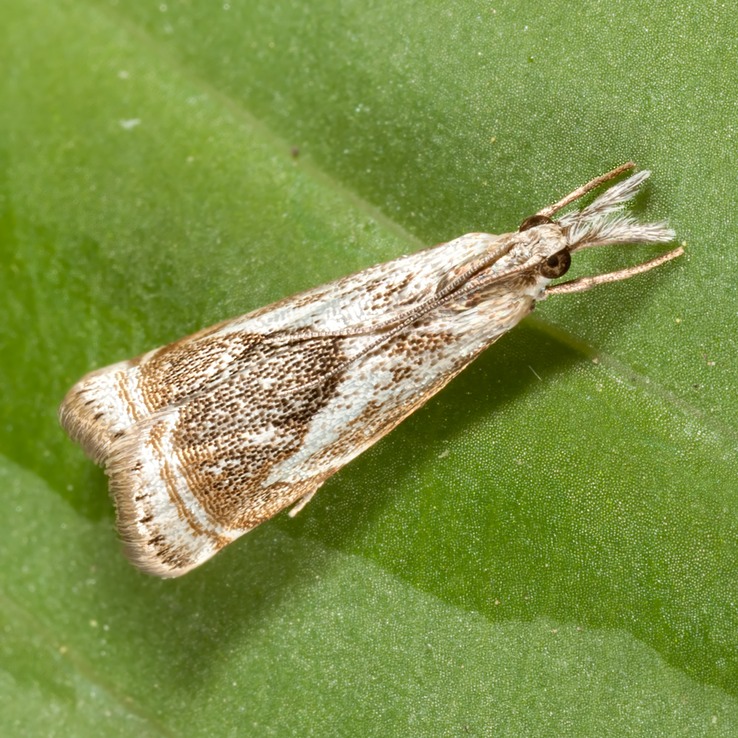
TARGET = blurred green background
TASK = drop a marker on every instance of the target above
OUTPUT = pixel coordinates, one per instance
(549, 547)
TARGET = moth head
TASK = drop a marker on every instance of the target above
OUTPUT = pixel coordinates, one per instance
(551, 265)
(601, 223)
(541, 250)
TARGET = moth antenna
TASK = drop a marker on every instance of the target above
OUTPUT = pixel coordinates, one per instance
(548, 211)
(583, 284)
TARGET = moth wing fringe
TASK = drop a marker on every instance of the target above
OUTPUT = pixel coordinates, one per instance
(161, 534)
(164, 528)
(92, 412)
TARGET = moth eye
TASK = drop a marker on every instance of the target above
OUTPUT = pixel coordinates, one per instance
(556, 265)
(533, 221)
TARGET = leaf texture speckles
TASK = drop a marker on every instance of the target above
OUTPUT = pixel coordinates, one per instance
(528, 555)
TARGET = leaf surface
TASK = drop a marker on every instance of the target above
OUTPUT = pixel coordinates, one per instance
(549, 547)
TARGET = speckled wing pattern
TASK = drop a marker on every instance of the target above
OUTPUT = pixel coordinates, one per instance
(208, 437)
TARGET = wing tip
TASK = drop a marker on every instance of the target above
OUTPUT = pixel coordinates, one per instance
(80, 418)
(94, 413)
(158, 537)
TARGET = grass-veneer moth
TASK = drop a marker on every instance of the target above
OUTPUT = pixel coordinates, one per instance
(208, 437)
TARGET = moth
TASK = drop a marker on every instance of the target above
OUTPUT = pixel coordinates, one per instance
(209, 436)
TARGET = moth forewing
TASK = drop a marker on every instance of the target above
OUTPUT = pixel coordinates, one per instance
(210, 436)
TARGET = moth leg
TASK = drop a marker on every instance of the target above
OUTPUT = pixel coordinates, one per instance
(304, 499)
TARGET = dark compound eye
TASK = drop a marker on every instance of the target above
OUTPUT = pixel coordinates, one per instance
(533, 221)
(556, 265)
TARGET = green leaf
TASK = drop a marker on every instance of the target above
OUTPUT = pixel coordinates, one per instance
(549, 547)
